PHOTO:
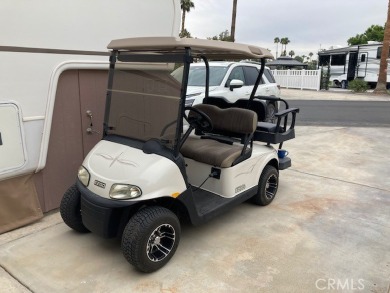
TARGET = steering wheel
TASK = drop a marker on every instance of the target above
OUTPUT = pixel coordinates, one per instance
(198, 119)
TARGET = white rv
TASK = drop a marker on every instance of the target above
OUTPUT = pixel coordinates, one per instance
(359, 61)
(53, 79)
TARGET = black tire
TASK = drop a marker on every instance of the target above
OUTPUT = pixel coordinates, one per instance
(143, 243)
(268, 186)
(70, 210)
(270, 115)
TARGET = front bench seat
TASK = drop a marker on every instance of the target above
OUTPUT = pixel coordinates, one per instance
(228, 143)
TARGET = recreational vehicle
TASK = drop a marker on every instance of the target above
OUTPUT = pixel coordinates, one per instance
(54, 64)
(359, 61)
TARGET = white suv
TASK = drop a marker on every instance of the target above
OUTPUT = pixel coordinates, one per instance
(244, 75)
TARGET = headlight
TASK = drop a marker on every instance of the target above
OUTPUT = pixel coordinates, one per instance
(83, 176)
(124, 191)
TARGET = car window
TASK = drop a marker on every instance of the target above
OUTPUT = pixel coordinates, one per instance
(197, 75)
(251, 74)
(269, 76)
(237, 73)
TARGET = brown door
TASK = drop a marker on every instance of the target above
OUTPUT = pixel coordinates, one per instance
(78, 91)
(93, 85)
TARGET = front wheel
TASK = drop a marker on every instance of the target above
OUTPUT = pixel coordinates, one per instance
(70, 210)
(268, 186)
(150, 238)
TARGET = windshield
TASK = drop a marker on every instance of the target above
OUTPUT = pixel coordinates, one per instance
(144, 103)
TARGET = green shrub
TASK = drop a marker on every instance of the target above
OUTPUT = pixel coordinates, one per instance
(358, 86)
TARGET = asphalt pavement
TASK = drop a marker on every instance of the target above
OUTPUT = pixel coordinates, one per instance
(343, 113)
(326, 231)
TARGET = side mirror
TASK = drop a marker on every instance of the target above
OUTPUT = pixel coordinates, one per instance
(235, 84)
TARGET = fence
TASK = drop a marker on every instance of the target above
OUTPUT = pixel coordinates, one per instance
(300, 79)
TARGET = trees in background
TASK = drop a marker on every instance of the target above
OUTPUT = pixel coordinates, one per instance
(226, 35)
(223, 36)
(185, 6)
(284, 41)
(373, 33)
(277, 41)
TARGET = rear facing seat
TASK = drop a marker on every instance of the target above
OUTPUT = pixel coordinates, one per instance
(229, 143)
(275, 133)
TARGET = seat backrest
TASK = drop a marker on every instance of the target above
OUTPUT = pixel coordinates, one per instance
(233, 122)
(257, 106)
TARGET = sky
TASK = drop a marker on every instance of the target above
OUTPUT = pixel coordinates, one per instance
(310, 25)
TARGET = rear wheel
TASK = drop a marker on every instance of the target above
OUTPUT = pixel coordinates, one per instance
(150, 238)
(70, 209)
(268, 186)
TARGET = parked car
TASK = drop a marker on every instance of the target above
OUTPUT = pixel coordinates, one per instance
(221, 76)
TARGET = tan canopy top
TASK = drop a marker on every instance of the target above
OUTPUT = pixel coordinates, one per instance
(209, 48)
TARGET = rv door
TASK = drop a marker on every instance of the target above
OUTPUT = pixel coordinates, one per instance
(352, 63)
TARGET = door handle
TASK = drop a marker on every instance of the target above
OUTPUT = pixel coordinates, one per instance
(90, 130)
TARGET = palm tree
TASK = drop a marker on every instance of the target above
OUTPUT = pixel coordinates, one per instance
(382, 78)
(186, 6)
(277, 41)
(311, 55)
(233, 28)
(284, 41)
(291, 53)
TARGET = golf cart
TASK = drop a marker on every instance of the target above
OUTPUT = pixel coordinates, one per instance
(160, 161)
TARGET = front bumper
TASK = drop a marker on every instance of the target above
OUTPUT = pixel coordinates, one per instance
(104, 217)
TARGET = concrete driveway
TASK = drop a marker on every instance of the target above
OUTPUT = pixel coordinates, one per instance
(327, 230)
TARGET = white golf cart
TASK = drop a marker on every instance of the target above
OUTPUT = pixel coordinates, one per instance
(150, 169)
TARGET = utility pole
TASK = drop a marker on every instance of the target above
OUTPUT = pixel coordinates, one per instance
(233, 28)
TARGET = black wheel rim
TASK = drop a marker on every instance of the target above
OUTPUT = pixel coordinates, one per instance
(271, 187)
(160, 242)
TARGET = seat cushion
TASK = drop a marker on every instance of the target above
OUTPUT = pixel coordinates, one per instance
(211, 152)
(268, 127)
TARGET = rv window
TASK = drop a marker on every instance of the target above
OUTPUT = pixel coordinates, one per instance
(379, 53)
(338, 59)
(324, 60)
(363, 58)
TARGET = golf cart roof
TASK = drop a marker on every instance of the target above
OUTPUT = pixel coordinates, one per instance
(209, 48)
